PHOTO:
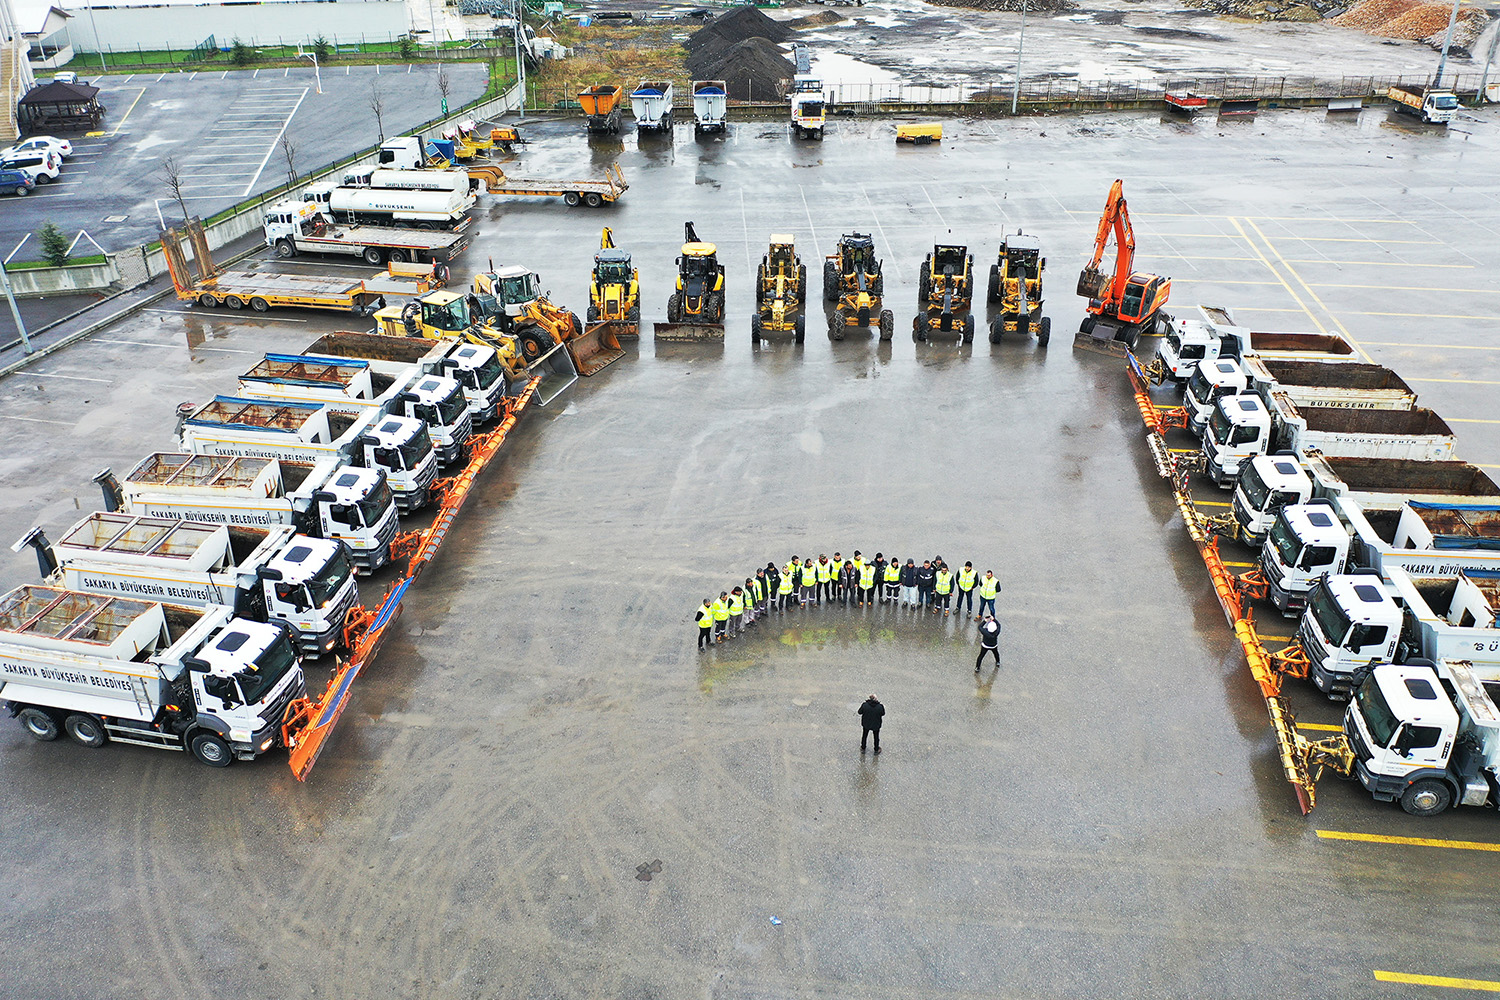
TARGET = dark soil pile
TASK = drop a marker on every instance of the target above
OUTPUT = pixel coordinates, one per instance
(818, 20)
(1012, 6)
(736, 26)
(753, 70)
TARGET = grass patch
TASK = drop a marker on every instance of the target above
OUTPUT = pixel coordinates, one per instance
(277, 56)
(33, 265)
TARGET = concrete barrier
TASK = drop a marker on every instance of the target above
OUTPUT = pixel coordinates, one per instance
(35, 281)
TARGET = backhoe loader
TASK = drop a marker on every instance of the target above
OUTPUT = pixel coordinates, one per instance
(945, 290)
(852, 278)
(780, 291)
(1124, 305)
(614, 290)
(696, 309)
(1016, 287)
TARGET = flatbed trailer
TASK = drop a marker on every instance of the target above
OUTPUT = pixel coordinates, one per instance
(592, 193)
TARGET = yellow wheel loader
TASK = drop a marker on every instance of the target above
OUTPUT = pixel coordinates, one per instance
(780, 291)
(614, 290)
(512, 300)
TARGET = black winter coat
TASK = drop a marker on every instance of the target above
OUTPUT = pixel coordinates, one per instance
(870, 713)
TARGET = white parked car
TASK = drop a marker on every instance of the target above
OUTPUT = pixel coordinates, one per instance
(42, 165)
(61, 147)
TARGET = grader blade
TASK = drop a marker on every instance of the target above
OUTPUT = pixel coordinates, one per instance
(595, 348)
(690, 332)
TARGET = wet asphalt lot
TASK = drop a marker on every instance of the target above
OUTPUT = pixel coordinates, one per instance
(1103, 816)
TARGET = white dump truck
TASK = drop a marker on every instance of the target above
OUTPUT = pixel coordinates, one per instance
(1320, 537)
(114, 669)
(1210, 381)
(429, 209)
(1435, 106)
(1246, 425)
(359, 385)
(1215, 334)
(1427, 735)
(263, 574)
(710, 106)
(294, 227)
(476, 367)
(398, 446)
(322, 499)
(1270, 482)
(809, 110)
(651, 102)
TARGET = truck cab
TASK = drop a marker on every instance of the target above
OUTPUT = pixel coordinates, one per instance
(1350, 623)
(1427, 736)
(1210, 381)
(1266, 485)
(242, 681)
(310, 586)
(478, 370)
(402, 449)
(439, 402)
(355, 506)
(1306, 542)
(809, 111)
(1238, 430)
(1188, 343)
(287, 221)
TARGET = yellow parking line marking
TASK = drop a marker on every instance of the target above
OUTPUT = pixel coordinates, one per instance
(1414, 288)
(1470, 420)
(1410, 315)
(1222, 281)
(1185, 256)
(128, 110)
(1293, 272)
(1378, 838)
(1351, 239)
(1262, 218)
(1269, 309)
(1379, 263)
(1466, 381)
(1484, 985)
(1279, 279)
(1318, 726)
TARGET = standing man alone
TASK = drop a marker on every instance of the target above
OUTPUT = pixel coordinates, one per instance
(870, 715)
(989, 641)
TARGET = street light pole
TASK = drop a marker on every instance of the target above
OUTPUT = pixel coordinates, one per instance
(1015, 95)
(1484, 78)
(14, 311)
(1447, 39)
(98, 45)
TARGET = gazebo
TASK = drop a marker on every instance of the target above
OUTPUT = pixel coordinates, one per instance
(60, 107)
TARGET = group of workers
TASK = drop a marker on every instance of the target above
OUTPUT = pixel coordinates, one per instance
(933, 586)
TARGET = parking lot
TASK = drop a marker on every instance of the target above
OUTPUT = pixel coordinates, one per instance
(1104, 815)
(223, 129)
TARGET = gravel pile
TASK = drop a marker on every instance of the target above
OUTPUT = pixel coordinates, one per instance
(1012, 6)
(817, 20)
(1416, 21)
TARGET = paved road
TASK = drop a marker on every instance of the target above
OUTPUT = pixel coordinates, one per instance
(1102, 816)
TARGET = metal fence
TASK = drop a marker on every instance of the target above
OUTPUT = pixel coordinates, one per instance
(872, 97)
(358, 48)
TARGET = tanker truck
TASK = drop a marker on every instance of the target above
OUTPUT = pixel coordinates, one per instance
(440, 209)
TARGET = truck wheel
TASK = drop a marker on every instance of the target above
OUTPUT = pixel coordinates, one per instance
(207, 301)
(997, 330)
(593, 315)
(801, 283)
(830, 282)
(994, 291)
(966, 332)
(633, 317)
(800, 329)
(85, 730)
(593, 199)
(1046, 332)
(210, 749)
(838, 326)
(234, 302)
(674, 308)
(760, 283)
(259, 304)
(285, 248)
(371, 255)
(400, 256)
(1426, 797)
(533, 345)
(571, 199)
(39, 724)
(755, 328)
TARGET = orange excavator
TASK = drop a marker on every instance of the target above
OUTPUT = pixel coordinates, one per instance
(1123, 305)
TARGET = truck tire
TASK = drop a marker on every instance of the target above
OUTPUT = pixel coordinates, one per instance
(800, 328)
(755, 329)
(207, 301)
(1427, 797)
(85, 730)
(593, 315)
(966, 332)
(571, 199)
(633, 317)
(210, 748)
(993, 295)
(259, 304)
(760, 283)
(997, 330)
(399, 256)
(40, 725)
(674, 308)
(441, 272)
(533, 343)
(593, 199)
(801, 283)
(234, 302)
(838, 326)
(371, 255)
(1044, 333)
(285, 248)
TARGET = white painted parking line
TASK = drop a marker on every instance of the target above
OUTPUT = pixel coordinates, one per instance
(70, 378)
(38, 420)
(249, 187)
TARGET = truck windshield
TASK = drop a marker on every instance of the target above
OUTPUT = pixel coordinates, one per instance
(1219, 427)
(1445, 103)
(485, 375)
(514, 291)
(452, 316)
(331, 579)
(416, 450)
(1198, 386)
(271, 666)
(1329, 616)
(1256, 490)
(1288, 546)
(1376, 711)
(451, 410)
(373, 507)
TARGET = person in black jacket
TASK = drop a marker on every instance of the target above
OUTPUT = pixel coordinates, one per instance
(880, 577)
(989, 641)
(926, 578)
(909, 584)
(870, 715)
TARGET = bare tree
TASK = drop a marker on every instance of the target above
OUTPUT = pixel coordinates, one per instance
(171, 172)
(443, 85)
(377, 105)
(289, 150)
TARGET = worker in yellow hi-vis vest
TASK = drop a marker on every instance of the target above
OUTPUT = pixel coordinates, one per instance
(967, 580)
(721, 615)
(988, 588)
(705, 620)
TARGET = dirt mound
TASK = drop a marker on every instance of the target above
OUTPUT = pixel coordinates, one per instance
(1012, 6)
(737, 25)
(818, 20)
(753, 70)
(1415, 21)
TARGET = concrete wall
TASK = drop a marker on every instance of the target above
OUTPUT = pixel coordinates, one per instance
(58, 280)
(182, 26)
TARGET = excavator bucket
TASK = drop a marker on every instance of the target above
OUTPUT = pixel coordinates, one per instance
(1092, 283)
(595, 348)
(1103, 337)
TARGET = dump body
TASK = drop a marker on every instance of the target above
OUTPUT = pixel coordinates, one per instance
(710, 105)
(323, 499)
(601, 103)
(652, 104)
(1437, 107)
(1353, 385)
(475, 366)
(264, 574)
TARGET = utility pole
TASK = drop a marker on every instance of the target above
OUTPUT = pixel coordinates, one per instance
(1015, 95)
(98, 43)
(520, 36)
(14, 311)
(1484, 78)
(1447, 40)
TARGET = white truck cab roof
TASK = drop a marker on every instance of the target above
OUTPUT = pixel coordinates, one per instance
(303, 559)
(1316, 524)
(238, 647)
(350, 485)
(392, 432)
(1415, 695)
(1364, 599)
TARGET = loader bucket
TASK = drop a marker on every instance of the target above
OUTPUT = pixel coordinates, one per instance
(595, 348)
(690, 331)
(556, 371)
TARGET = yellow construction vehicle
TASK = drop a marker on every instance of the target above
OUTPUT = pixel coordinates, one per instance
(780, 291)
(1016, 287)
(512, 300)
(945, 290)
(615, 289)
(853, 278)
(695, 310)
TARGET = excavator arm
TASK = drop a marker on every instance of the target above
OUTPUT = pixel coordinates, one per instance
(1092, 283)
(689, 234)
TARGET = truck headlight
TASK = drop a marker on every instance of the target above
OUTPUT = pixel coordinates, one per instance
(239, 735)
(265, 744)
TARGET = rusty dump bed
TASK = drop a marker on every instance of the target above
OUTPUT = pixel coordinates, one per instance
(1337, 419)
(1345, 375)
(374, 346)
(1320, 343)
(1458, 523)
(173, 468)
(1439, 592)
(1402, 475)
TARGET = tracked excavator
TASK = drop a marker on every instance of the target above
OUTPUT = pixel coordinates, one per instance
(1125, 304)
